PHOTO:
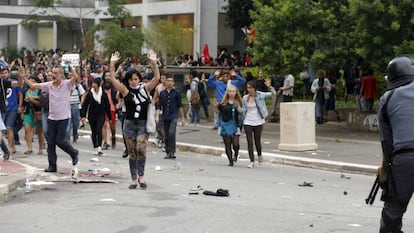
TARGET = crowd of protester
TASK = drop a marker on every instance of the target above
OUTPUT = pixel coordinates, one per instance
(107, 90)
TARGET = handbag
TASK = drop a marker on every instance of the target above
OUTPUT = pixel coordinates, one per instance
(37, 116)
(151, 125)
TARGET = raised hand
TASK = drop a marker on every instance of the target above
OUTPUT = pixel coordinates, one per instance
(115, 57)
(152, 56)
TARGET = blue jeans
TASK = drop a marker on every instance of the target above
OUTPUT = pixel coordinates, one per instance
(73, 121)
(56, 130)
(320, 107)
(170, 128)
(45, 115)
(195, 115)
(3, 144)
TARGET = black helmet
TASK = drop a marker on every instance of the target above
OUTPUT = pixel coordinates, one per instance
(400, 71)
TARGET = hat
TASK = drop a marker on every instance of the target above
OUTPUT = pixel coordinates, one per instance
(14, 74)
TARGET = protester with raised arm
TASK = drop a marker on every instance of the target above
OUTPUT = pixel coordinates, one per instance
(136, 98)
(59, 113)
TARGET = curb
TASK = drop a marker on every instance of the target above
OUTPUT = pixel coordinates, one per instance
(274, 158)
(18, 179)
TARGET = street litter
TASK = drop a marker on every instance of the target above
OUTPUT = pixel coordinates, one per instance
(38, 183)
(301, 214)
(193, 193)
(3, 174)
(354, 225)
(86, 136)
(266, 142)
(108, 200)
(197, 188)
(343, 176)
(105, 169)
(345, 193)
(314, 153)
(158, 168)
(306, 184)
(94, 159)
(218, 193)
(201, 169)
(177, 166)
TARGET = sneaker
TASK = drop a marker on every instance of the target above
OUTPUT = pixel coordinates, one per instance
(251, 165)
(172, 156)
(99, 151)
(105, 146)
(74, 173)
(168, 156)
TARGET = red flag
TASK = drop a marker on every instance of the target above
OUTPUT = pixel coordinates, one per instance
(248, 60)
(205, 57)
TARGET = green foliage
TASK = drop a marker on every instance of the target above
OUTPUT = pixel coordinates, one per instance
(172, 37)
(117, 10)
(237, 14)
(290, 33)
(11, 52)
(45, 3)
(127, 41)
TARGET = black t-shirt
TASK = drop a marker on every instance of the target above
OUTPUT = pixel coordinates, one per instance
(136, 103)
(4, 84)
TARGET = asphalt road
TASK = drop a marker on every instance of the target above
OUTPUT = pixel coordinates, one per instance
(267, 198)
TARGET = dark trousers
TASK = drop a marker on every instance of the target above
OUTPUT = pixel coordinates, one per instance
(253, 133)
(170, 128)
(96, 123)
(395, 207)
(56, 132)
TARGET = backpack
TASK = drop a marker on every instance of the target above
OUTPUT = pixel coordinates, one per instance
(195, 99)
(201, 90)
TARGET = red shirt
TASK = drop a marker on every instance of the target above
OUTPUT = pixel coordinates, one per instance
(369, 85)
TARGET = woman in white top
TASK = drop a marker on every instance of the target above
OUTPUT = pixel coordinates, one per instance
(255, 113)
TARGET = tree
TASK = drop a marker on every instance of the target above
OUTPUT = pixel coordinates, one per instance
(383, 29)
(127, 41)
(172, 37)
(291, 32)
(117, 38)
(47, 10)
(237, 13)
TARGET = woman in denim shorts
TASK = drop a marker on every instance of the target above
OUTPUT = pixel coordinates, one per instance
(136, 98)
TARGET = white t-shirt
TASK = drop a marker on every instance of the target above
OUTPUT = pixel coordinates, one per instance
(289, 81)
(253, 117)
(77, 90)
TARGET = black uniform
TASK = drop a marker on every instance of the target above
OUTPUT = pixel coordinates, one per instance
(396, 112)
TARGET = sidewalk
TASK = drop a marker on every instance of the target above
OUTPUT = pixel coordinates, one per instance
(338, 149)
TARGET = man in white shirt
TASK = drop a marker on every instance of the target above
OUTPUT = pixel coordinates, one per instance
(287, 89)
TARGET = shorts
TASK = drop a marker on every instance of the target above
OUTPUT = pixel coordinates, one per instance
(10, 119)
(134, 128)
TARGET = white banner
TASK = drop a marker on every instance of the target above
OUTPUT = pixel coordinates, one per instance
(72, 58)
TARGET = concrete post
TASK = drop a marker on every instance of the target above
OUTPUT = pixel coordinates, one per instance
(297, 126)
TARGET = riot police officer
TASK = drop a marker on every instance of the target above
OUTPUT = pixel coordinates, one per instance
(396, 113)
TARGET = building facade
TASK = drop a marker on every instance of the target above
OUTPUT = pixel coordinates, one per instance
(205, 20)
